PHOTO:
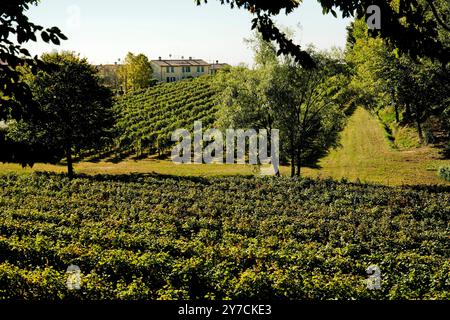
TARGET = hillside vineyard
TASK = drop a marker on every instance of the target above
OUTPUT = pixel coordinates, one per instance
(148, 118)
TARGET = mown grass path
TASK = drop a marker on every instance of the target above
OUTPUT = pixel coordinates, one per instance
(366, 155)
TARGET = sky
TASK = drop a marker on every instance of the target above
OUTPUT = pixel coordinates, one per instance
(105, 30)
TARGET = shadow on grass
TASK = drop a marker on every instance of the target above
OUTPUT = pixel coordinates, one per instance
(350, 110)
(151, 177)
(111, 156)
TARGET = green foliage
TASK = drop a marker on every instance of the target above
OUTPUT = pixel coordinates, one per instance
(15, 31)
(416, 27)
(306, 105)
(25, 153)
(147, 119)
(402, 137)
(74, 112)
(137, 237)
(242, 95)
(367, 57)
(444, 173)
(136, 73)
(418, 89)
(309, 109)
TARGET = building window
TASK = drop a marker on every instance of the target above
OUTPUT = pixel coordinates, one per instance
(186, 69)
(168, 69)
(168, 79)
(172, 69)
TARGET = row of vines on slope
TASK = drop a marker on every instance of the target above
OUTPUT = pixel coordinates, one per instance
(148, 118)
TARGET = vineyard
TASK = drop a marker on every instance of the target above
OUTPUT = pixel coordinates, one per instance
(154, 237)
(148, 118)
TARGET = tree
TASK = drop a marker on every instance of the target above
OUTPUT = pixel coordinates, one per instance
(307, 111)
(15, 95)
(423, 89)
(304, 104)
(412, 26)
(417, 88)
(136, 73)
(246, 90)
(109, 76)
(370, 60)
(74, 112)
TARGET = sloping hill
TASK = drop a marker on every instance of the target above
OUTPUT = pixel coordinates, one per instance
(366, 155)
(147, 119)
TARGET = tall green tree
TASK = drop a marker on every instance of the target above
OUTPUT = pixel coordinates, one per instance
(15, 31)
(246, 90)
(424, 89)
(304, 104)
(136, 73)
(307, 109)
(74, 112)
(370, 60)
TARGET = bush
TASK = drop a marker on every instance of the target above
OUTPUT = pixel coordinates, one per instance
(444, 173)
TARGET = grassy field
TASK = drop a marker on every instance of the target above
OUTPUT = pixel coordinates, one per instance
(165, 167)
(365, 155)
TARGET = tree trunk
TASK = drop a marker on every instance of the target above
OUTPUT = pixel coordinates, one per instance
(419, 130)
(70, 172)
(292, 159)
(397, 117)
(298, 163)
(292, 165)
(407, 112)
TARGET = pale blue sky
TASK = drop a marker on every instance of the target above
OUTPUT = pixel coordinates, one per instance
(105, 30)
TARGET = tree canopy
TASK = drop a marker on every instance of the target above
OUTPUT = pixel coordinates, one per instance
(304, 104)
(136, 73)
(15, 31)
(418, 89)
(74, 112)
(413, 26)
